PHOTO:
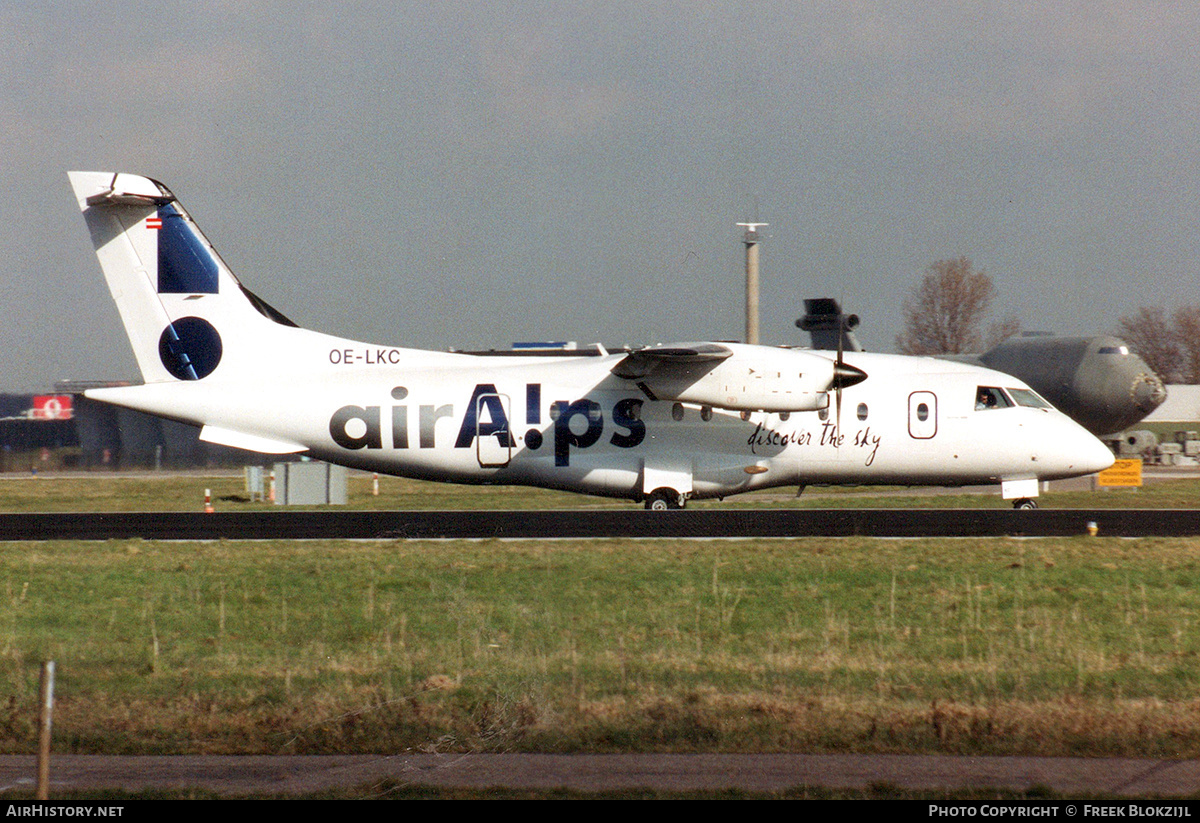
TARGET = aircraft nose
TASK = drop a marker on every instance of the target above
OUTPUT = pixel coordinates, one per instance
(1084, 453)
(1148, 392)
(1094, 455)
(1075, 451)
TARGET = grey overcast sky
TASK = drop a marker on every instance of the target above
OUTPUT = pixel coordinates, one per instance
(470, 174)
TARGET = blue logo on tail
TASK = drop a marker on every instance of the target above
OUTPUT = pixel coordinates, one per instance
(190, 348)
(185, 263)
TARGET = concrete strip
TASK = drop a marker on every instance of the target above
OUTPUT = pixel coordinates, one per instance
(1126, 777)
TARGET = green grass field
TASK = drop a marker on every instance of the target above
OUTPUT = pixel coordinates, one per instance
(1081, 646)
(185, 492)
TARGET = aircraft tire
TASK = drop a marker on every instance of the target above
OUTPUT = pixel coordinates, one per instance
(661, 500)
(1025, 503)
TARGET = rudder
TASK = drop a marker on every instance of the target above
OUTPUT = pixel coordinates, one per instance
(181, 306)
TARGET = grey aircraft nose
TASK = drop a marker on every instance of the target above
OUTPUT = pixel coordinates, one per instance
(1148, 391)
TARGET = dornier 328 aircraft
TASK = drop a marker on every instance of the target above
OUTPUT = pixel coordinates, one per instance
(661, 425)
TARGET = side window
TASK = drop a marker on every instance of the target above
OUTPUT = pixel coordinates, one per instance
(990, 397)
(1025, 397)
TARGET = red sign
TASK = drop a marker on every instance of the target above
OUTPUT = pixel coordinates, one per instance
(52, 407)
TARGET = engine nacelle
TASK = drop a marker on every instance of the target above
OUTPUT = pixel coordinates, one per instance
(752, 379)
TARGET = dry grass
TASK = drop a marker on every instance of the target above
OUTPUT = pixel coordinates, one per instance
(1080, 646)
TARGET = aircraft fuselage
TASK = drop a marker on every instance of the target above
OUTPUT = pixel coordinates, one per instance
(569, 423)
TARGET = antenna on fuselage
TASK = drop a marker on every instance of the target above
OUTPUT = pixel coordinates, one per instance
(750, 240)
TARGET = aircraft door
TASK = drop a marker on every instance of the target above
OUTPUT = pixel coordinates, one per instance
(922, 415)
(493, 439)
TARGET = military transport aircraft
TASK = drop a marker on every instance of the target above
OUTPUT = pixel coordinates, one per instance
(661, 425)
(1096, 381)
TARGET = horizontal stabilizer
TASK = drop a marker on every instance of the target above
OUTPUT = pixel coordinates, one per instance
(249, 442)
(130, 190)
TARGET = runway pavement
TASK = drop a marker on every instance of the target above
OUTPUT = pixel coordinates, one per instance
(633, 523)
(232, 775)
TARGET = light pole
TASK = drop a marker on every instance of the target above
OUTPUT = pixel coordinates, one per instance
(750, 239)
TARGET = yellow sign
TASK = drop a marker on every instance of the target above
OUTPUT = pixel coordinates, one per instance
(1121, 473)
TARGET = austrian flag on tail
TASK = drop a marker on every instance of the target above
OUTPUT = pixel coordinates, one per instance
(154, 222)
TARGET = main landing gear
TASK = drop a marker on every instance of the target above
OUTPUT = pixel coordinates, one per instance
(661, 500)
(1025, 503)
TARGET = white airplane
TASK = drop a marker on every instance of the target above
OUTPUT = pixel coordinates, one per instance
(661, 425)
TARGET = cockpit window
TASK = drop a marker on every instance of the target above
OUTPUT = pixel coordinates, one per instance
(1114, 350)
(1031, 399)
(990, 397)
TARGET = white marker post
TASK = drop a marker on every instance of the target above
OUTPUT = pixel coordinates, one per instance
(46, 700)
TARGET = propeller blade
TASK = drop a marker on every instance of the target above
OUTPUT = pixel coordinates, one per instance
(838, 366)
(838, 419)
(844, 375)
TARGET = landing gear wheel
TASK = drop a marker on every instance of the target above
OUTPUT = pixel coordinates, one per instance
(661, 500)
(1025, 503)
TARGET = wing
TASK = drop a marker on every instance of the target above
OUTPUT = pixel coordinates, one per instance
(671, 363)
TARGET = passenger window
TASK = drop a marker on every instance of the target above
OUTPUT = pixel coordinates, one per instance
(990, 397)
(862, 411)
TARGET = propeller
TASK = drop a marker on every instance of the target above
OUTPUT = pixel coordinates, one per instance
(844, 375)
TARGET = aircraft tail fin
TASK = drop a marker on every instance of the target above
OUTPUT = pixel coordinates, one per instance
(182, 307)
(825, 321)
